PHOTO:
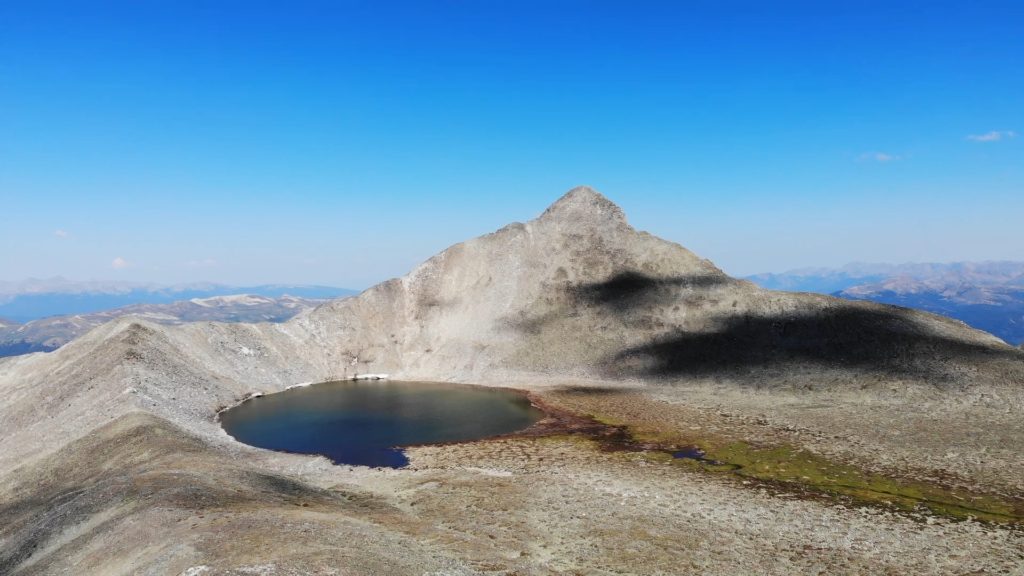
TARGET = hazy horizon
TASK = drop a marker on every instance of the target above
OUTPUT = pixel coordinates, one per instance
(853, 267)
(342, 144)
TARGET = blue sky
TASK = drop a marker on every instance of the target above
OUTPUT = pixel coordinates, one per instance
(344, 142)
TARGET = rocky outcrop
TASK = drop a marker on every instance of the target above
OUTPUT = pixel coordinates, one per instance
(575, 296)
(578, 293)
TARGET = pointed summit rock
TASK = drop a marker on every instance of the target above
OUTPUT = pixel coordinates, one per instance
(575, 294)
(578, 292)
(114, 438)
(583, 205)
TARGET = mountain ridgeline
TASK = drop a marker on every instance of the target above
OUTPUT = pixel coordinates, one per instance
(48, 334)
(33, 299)
(986, 295)
(579, 293)
(113, 437)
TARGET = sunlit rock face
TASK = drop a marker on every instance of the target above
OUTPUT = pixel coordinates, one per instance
(579, 293)
(112, 454)
(576, 294)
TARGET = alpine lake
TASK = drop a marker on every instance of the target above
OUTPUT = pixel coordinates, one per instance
(367, 423)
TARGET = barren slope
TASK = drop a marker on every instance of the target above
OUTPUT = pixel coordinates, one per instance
(103, 436)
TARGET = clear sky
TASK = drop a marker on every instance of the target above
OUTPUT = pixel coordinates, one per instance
(343, 142)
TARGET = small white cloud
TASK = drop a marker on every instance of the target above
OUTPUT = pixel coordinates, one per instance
(119, 263)
(993, 136)
(61, 233)
(878, 157)
(204, 263)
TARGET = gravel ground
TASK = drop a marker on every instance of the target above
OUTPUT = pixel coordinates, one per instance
(112, 461)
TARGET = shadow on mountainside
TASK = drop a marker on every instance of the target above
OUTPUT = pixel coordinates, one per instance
(859, 339)
(622, 294)
(886, 342)
(628, 290)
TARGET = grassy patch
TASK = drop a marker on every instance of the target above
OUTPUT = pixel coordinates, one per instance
(794, 466)
(787, 465)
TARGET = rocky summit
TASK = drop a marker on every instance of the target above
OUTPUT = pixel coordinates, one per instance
(839, 436)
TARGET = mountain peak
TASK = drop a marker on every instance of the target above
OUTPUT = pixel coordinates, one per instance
(584, 204)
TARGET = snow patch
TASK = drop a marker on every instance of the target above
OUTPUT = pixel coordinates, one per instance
(488, 471)
(370, 377)
(249, 352)
(258, 569)
(236, 299)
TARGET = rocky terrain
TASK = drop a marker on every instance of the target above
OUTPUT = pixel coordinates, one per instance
(48, 334)
(987, 295)
(842, 437)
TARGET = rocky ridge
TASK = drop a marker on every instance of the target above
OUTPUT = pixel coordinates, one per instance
(48, 334)
(574, 297)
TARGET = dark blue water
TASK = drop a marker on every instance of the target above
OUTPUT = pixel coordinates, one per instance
(695, 453)
(367, 423)
(691, 453)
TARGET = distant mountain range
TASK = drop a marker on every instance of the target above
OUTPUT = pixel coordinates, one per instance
(47, 334)
(40, 315)
(40, 298)
(986, 295)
